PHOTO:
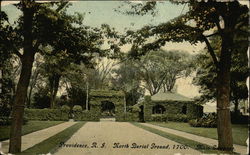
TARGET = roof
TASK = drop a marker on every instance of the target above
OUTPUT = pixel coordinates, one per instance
(169, 96)
(106, 93)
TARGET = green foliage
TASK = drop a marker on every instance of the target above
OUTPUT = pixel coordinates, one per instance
(128, 117)
(41, 99)
(127, 79)
(206, 72)
(106, 93)
(45, 114)
(174, 109)
(5, 121)
(86, 115)
(159, 118)
(177, 117)
(135, 109)
(77, 96)
(77, 112)
(208, 121)
(65, 108)
(77, 108)
(169, 117)
(160, 69)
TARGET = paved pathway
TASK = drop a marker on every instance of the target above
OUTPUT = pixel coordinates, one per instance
(211, 142)
(33, 138)
(107, 133)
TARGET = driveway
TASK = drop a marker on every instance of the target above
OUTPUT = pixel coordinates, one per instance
(119, 138)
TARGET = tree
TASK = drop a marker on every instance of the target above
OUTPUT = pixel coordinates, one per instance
(35, 79)
(227, 19)
(206, 73)
(40, 26)
(159, 70)
(127, 79)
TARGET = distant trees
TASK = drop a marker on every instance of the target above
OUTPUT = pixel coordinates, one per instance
(127, 79)
(159, 70)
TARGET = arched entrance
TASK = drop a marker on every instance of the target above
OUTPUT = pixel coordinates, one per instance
(107, 109)
(106, 104)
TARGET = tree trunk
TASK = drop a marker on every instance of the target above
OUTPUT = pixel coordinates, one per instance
(87, 96)
(236, 107)
(54, 89)
(224, 128)
(23, 83)
(29, 97)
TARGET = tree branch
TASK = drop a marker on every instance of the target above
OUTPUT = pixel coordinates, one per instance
(211, 51)
(210, 35)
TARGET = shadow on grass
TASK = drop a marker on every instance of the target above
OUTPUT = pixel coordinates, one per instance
(51, 144)
(203, 148)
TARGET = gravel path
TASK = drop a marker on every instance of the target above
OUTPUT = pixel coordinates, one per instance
(211, 142)
(124, 135)
(33, 138)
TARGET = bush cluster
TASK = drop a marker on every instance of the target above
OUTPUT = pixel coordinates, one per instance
(170, 117)
(177, 117)
(46, 114)
(5, 121)
(82, 115)
(207, 121)
(129, 116)
(159, 118)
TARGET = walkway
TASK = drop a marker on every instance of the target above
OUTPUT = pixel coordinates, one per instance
(121, 135)
(211, 142)
(33, 138)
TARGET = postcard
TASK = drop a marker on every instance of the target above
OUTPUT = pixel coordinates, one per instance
(124, 77)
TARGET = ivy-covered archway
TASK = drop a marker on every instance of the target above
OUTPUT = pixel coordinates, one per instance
(99, 97)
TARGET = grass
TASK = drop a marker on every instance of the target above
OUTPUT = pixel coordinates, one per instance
(31, 126)
(51, 144)
(240, 132)
(203, 148)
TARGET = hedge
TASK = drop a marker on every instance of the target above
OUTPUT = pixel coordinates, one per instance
(47, 114)
(85, 116)
(5, 121)
(128, 116)
(169, 117)
(207, 121)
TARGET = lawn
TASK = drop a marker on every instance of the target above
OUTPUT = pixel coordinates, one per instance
(31, 126)
(52, 144)
(240, 132)
(203, 148)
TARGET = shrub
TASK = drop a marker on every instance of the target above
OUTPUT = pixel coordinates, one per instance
(159, 118)
(129, 116)
(87, 116)
(136, 109)
(177, 117)
(65, 108)
(45, 114)
(77, 108)
(238, 118)
(77, 112)
(5, 121)
(207, 121)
